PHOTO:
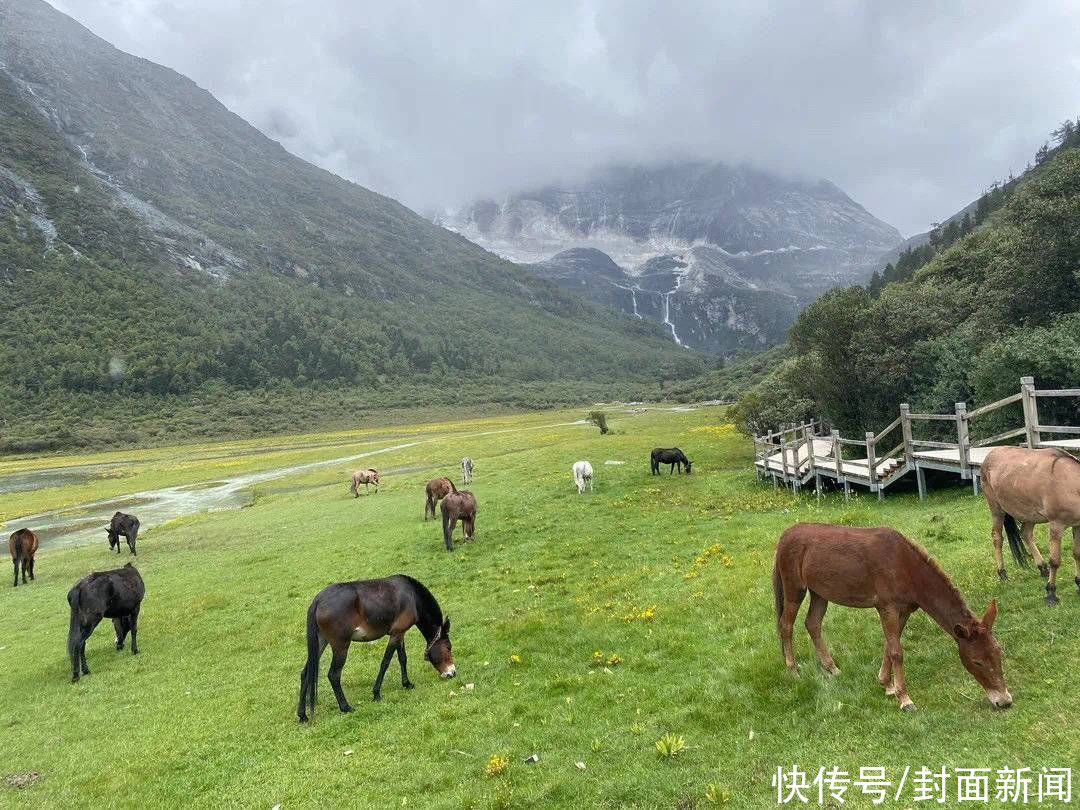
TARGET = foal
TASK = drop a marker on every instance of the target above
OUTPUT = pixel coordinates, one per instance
(437, 489)
(365, 477)
(879, 568)
(22, 545)
(366, 610)
(458, 505)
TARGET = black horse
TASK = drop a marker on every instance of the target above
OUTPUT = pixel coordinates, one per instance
(121, 524)
(366, 610)
(672, 456)
(115, 595)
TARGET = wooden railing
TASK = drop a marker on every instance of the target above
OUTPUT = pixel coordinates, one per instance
(790, 439)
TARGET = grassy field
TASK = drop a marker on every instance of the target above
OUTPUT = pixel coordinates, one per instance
(589, 627)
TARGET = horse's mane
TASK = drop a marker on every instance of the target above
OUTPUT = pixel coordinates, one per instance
(1059, 454)
(935, 566)
(429, 605)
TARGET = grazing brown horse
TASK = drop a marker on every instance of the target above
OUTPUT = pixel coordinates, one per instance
(22, 545)
(115, 595)
(366, 610)
(364, 477)
(879, 568)
(458, 505)
(437, 489)
(1029, 487)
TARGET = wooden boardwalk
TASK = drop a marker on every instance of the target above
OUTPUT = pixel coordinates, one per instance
(798, 455)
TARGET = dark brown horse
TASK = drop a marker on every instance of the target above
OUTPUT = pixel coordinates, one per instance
(366, 610)
(879, 568)
(22, 545)
(121, 524)
(458, 505)
(437, 489)
(115, 595)
(1030, 487)
(673, 457)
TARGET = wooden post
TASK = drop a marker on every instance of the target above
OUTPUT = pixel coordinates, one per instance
(920, 478)
(783, 454)
(905, 429)
(1031, 411)
(871, 464)
(836, 453)
(962, 438)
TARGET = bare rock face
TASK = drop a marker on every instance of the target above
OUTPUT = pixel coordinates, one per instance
(722, 256)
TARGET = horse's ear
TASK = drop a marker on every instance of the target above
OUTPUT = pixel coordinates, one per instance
(962, 631)
(990, 616)
(446, 625)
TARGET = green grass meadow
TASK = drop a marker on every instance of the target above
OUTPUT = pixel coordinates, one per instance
(589, 627)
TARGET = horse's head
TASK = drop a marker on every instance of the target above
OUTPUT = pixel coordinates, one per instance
(981, 655)
(439, 652)
(689, 463)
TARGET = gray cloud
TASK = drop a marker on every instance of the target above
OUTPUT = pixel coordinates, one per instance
(911, 108)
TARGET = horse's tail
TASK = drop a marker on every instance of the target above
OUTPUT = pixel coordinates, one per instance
(19, 550)
(309, 676)
(778, 597)
(1016, 543)
(452, 487)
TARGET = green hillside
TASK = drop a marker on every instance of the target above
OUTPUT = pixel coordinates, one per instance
(154, 245)
(998, 303)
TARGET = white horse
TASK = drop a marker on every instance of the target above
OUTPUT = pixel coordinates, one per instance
(582, 475)
(466, 470)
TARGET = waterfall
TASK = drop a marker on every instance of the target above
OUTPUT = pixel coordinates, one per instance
(667, 307)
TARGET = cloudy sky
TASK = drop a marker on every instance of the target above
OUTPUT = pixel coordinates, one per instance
(913, 109)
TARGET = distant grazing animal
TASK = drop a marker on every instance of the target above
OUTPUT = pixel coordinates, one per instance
(1029, 487)
(22, 545)
(582, 471)
(437, 489)
(365, 477)
(879, 568)
(466, 470)
(672, 456)
(460, 505)
(115, 595)
(121, 524)
(366, 610)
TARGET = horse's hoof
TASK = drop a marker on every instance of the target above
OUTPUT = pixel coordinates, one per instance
(1002, 575)
(74, 678)
(1044, 571)
(119, 646)
(346, 708)
(1077, 581)
(377, 696)
(910, 707)
(408, 685)
(1052, 600)
(302, 718)
(832, 671)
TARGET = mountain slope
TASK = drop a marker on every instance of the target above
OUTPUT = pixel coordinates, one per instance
(999, 302)
(771, 244)
(151, 241)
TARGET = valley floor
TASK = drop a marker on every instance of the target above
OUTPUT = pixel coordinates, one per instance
(589, 627)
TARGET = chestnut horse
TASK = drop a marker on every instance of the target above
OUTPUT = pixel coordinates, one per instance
(366, 610)
(22, 545)
(437, 489)
(1029, 487)
(458, 505)
(879, 568)
(365, 477)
